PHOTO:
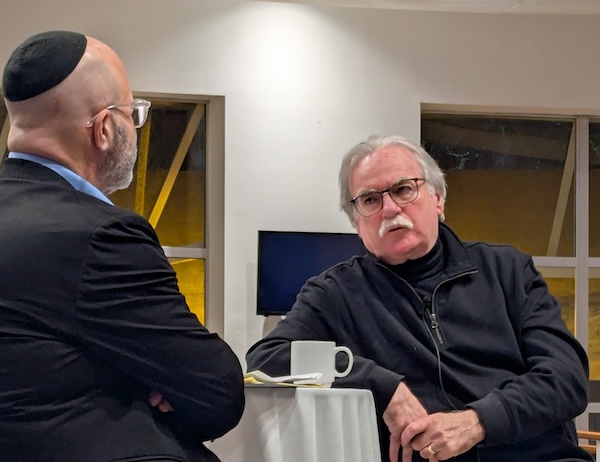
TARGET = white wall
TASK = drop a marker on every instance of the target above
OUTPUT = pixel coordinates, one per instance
(303, 84)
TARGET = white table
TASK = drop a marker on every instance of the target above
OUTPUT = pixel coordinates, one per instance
(303, 425)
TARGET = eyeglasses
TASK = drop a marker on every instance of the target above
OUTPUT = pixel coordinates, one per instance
(139, 112)
(403, 192)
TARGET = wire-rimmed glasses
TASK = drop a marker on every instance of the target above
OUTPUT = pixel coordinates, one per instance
(402, 192)
(139, 112)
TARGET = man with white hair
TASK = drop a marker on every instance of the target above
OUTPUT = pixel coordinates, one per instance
(461, 343)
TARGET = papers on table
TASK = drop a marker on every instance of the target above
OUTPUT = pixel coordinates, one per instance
(259, 378)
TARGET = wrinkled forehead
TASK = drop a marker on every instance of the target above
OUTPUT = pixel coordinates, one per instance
(382, 168)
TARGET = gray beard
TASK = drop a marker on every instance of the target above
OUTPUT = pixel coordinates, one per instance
(116, 172)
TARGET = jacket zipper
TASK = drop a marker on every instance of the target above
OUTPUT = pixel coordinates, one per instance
(433, 322)
(430, 307)
(428, 304)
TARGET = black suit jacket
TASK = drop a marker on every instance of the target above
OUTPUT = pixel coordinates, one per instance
(91, 320)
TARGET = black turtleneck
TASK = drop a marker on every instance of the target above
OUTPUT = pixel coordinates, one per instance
(425, 272)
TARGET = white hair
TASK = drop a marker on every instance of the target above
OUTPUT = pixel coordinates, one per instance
(432, 173)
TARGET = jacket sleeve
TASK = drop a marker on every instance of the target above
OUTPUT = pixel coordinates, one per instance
(129, 311)
(553, 389)
(317, 315)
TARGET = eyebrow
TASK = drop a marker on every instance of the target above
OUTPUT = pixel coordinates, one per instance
(367, 191)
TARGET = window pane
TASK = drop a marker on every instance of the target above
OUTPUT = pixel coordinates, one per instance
(595, 189)
(594, 338)
(594, 422)
(508, 179)
(190, 277)
(182, 220)
(169, 185)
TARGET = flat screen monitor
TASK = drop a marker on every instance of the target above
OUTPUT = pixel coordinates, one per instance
(286, 259)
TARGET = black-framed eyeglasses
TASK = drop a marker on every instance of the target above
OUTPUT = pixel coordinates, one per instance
(402, 192)
(139, 112)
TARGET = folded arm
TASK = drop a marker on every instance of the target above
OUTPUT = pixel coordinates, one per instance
(129, 311)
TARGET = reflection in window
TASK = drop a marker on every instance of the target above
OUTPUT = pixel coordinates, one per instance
(509, 179)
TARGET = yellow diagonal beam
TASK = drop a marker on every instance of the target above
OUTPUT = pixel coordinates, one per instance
(563, 196)
(142, 166)
(184, 145)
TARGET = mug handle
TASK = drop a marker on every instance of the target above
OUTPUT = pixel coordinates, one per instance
(346, 350)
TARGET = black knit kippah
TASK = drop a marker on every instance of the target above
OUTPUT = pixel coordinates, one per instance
(41, 62)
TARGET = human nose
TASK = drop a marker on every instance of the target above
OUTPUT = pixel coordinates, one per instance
(389, 206)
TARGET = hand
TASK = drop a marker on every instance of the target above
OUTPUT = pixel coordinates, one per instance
(446, 434)
(402, 409)
(156, 400)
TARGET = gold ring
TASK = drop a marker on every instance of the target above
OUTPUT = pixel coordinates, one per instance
(430, 449)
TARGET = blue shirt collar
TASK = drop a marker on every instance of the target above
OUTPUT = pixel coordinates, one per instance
(75, 180)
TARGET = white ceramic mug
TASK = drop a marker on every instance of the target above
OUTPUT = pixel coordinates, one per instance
(308, 356)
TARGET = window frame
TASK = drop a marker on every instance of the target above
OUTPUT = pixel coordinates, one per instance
(581, 265)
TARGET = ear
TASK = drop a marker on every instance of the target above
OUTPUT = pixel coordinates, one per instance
(102, 132)
(439, 204)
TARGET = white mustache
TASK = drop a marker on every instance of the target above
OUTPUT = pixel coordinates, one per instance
(398, 221)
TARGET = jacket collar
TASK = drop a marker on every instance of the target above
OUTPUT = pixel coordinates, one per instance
(23, 169)
(458, 260)
(21, 165)
(455, 253)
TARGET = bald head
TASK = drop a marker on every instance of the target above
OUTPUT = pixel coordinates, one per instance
(64, 73)
(54, 83)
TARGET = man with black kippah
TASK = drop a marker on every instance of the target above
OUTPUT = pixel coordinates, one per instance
(101, 359)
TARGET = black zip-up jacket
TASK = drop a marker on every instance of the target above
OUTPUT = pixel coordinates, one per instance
(491, 338)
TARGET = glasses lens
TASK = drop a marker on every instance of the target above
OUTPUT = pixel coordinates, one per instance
(140, 112)
(369, 204)
(405, 191)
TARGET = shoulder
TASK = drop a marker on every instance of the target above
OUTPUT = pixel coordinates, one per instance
(124, 229)
(100, 216)
(491, 250)
(501, 261)
(478, 249)
(106, 230)
(353, 269)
